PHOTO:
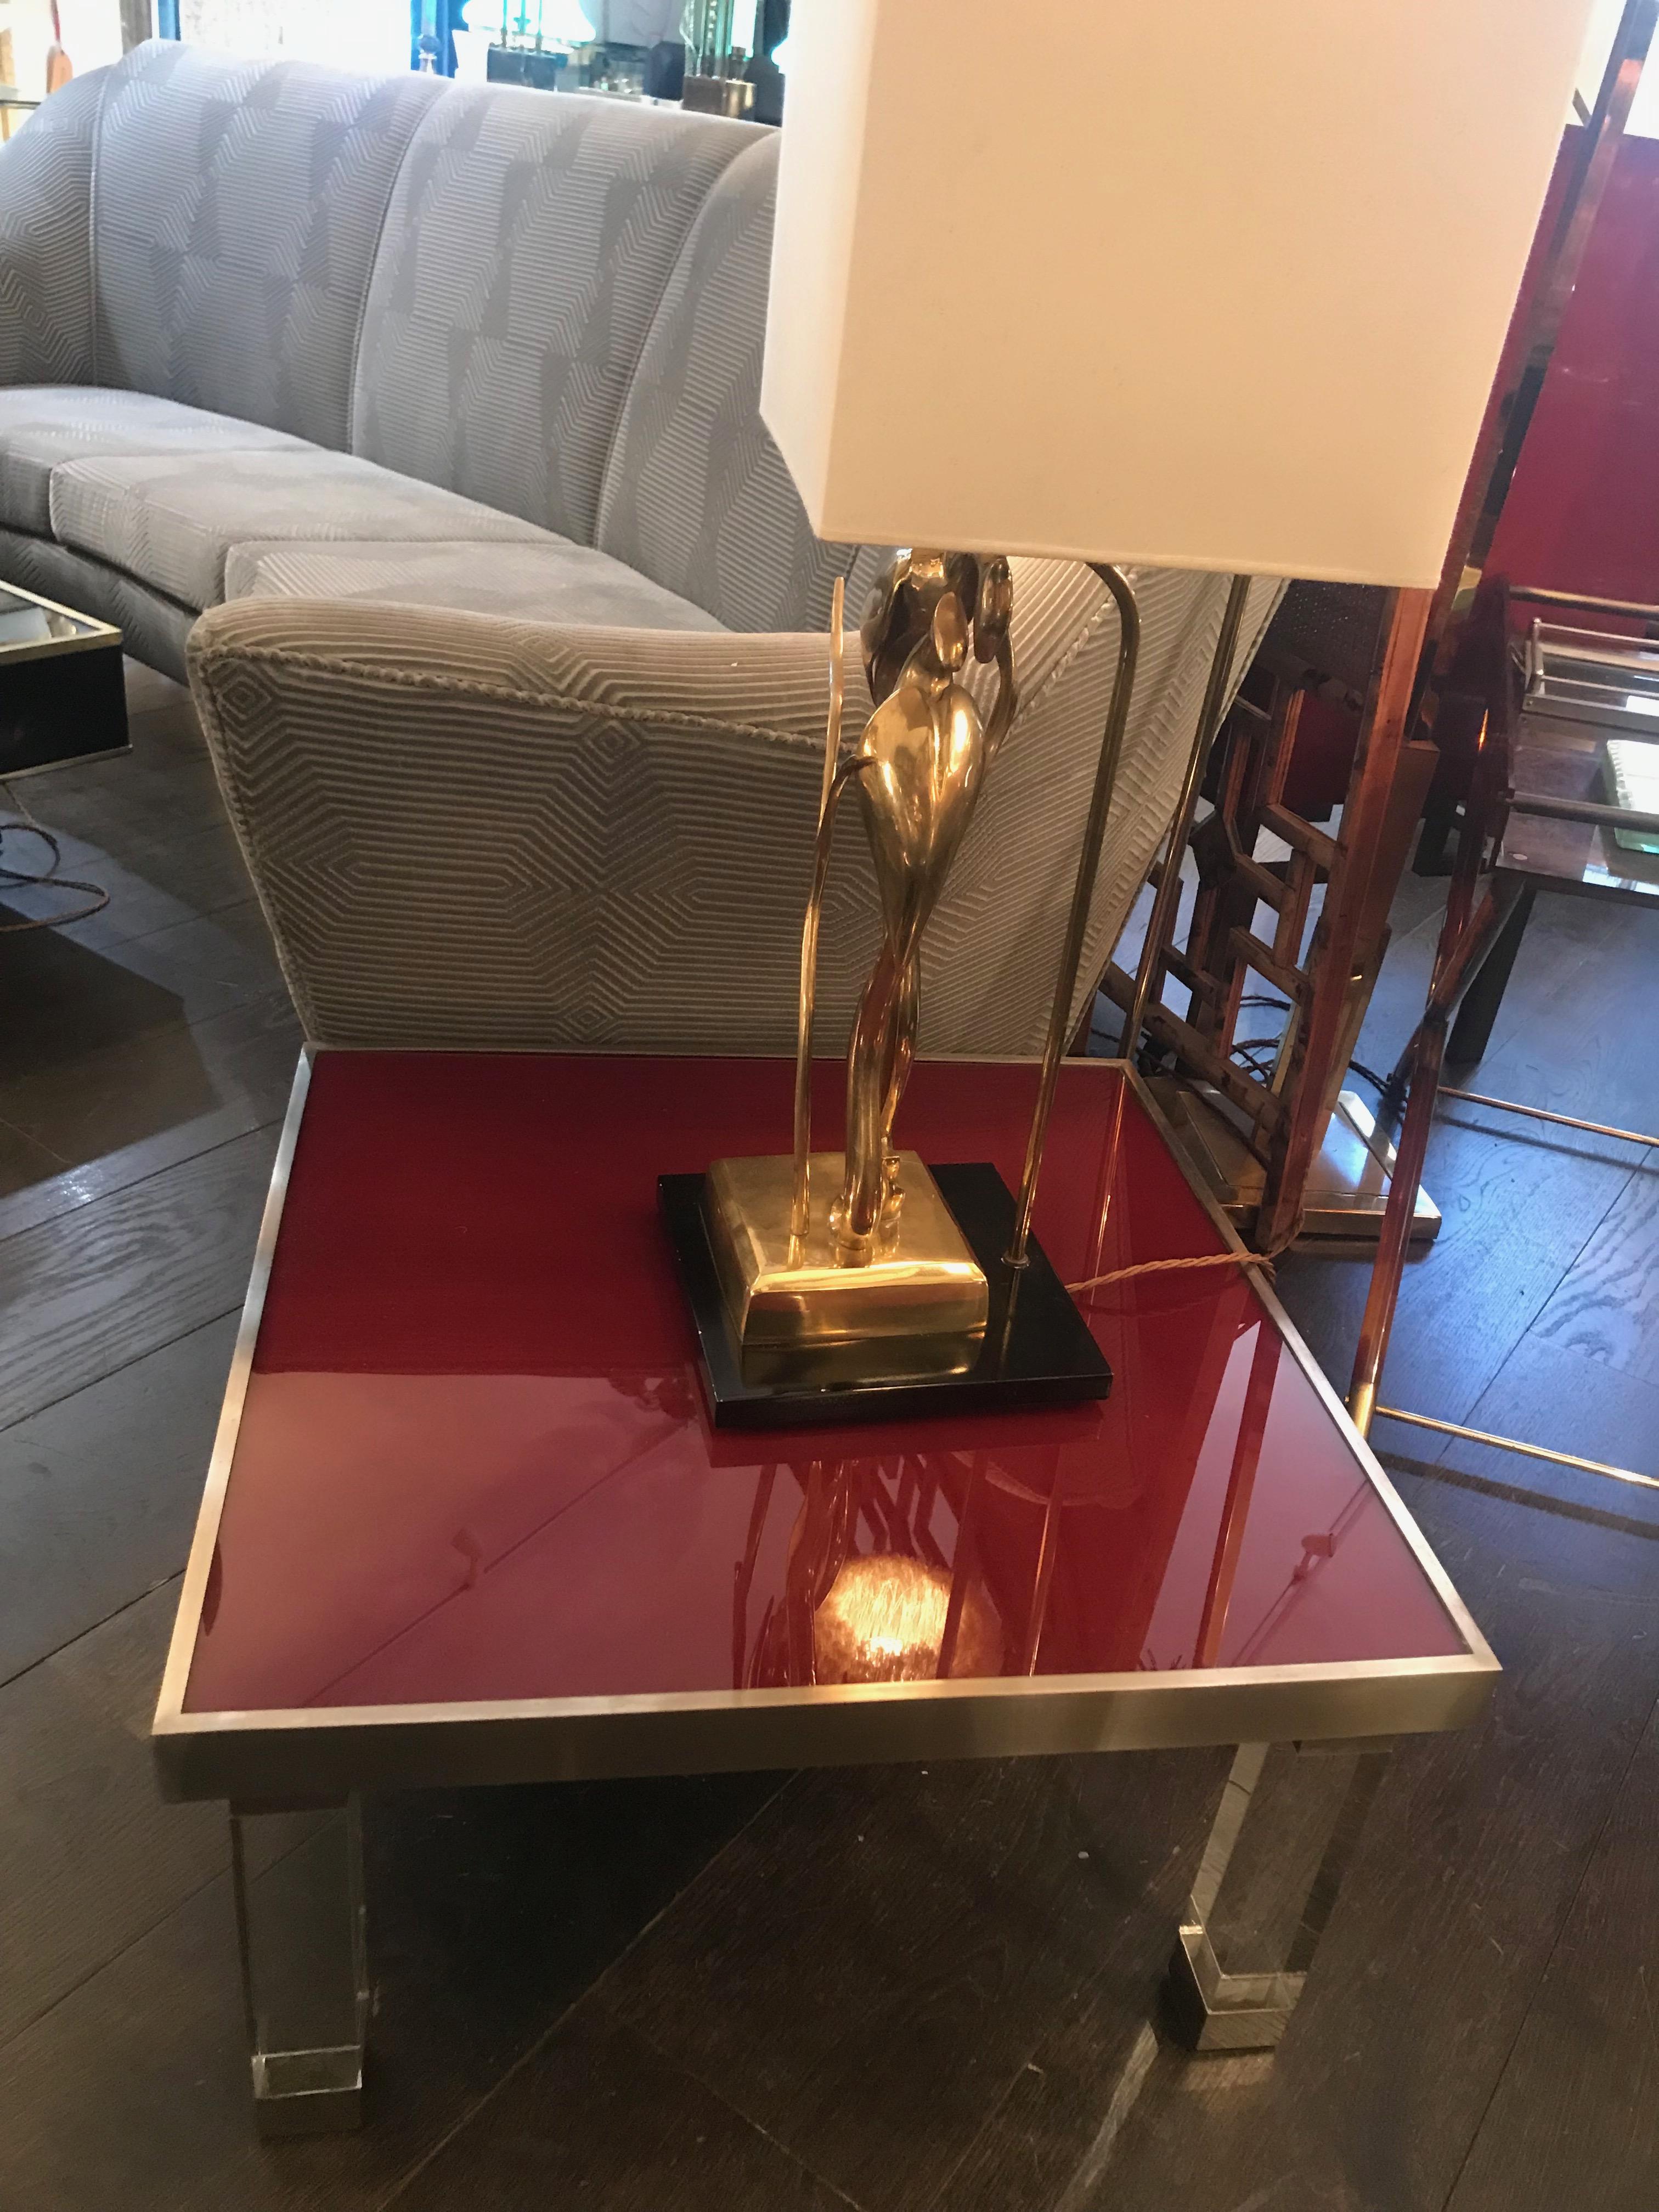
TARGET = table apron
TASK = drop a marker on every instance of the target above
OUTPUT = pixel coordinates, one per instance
(303, 1755)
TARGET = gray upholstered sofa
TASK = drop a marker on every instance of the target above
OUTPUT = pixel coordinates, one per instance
(438, 406)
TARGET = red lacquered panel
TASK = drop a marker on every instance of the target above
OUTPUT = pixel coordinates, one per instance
(473, 1462)
(1579, 516)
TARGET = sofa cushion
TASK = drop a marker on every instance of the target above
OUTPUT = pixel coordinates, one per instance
(153, 629)
(43, 425)
(526, 248)
(238, 209)
(552, 581)
(696, 494)
(170, 521)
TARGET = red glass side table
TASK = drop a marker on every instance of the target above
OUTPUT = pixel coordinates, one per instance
(466, 1521)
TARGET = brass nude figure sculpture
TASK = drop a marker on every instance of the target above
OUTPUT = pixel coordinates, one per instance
(918, 770)
(881, 1281)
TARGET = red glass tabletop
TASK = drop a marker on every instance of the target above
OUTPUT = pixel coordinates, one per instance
(473, 1478)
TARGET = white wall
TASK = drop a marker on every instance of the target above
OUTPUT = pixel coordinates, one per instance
(1644, 114)
(372, 35)
(91, 36)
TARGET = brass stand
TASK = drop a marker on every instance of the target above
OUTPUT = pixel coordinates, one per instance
(1480, 686)
(1088, 866)
(1346, 1191)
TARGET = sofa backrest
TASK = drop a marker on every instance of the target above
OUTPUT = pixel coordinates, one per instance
(555, 306)
(45, 241)
(236, 209)
(526, 251)
(696, 495)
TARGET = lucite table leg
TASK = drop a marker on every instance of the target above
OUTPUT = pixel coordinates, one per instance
(298, 1876)
(1286, 1828)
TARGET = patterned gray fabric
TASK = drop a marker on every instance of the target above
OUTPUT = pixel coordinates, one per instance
(696, 494)
(627, 823)
(564, 325)
(641, 808)
(171, 522)
(43, 425)
(153, 629)
(238, 209)
(526, 248)
(553, 582)
(46, 240)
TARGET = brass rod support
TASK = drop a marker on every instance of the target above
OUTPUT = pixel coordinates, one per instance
(1161, 927)
(1607, 648)
(1539, 1114)
(1551, 598)
(1514, 1444)
(800, 1212)
(1423, 1058)
(1584, 810)
(1093, 837)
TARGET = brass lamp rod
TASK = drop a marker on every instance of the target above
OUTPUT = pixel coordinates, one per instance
(1094, 837)
(1514, 1444)
(1543, 1114)
(1161, 927)
(800, 1209)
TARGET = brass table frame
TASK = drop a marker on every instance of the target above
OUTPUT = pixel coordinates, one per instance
(1477, 928)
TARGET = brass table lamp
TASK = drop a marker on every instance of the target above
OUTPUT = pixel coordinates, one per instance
(859, 1284)
(1218, 294)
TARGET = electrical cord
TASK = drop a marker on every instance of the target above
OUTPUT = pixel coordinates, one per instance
(1247, 1049)
(1253, 1045)
(1264, 1261)
(31, 878)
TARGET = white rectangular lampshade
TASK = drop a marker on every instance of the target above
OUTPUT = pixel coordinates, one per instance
(1205, 284)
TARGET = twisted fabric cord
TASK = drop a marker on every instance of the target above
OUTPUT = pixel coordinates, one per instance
(1264, 1261)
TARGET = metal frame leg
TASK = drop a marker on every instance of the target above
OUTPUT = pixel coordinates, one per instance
(1471, 1031)
(1286, 1829)
(298, 1878)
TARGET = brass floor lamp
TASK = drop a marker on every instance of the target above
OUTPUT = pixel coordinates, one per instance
(1418, 636)
(1471, 920)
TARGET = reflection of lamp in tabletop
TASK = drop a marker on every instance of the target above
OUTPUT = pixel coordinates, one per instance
(882, 1620)
(889, 1615)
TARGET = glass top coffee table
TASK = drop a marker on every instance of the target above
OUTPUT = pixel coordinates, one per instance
(467, 1522)
(62, 691)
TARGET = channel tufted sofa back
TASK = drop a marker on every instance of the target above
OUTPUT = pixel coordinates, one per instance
(526, 248)
(555, 307)
(237, 207)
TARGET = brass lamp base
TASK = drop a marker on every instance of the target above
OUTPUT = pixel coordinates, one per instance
(922, 1280)
(1034, 1348)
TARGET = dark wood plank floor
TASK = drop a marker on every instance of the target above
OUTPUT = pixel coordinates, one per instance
(892, 1990)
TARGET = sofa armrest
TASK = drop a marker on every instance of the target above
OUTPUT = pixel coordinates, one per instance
(46, 240)
(471, 831)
